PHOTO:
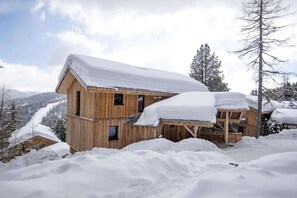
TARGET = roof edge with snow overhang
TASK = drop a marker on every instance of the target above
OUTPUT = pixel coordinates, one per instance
(94, 72)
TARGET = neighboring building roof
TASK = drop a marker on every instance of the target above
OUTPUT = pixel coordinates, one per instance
(267, 106)
(33, 128)
(30, 131)
(60, 148)
(192, 106)
(284, 116)
(96, 72)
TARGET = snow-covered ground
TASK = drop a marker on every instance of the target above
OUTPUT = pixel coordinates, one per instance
(160, 168)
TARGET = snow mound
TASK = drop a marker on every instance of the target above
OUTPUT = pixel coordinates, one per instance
(123, 174)
(272, 176)
(157, 145)
(164, 145)
(285, 134)
(195, 144)
(28, 159)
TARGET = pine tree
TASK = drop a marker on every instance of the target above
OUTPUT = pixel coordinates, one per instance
(8, 121)
(206, 67)
(60, 129)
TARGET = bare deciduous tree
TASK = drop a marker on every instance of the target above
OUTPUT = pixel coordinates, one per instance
(260, 33)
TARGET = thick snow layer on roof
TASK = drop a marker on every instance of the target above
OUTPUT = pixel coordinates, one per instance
(34, 128)
(60, 148)
(96, 72)
(198, 106)
(230, 101)
(280, 116)
(192, 106)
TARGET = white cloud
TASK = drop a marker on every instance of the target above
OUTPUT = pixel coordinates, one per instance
(28, 78)
(39, 5)
(152, 33)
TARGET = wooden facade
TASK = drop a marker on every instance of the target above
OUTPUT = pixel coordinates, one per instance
(97, 112)
(93, 118)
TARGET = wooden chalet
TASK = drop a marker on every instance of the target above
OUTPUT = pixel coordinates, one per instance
(104, 97)
(29, 137)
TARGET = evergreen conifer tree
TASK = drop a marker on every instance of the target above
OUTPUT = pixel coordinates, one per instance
(206, 67)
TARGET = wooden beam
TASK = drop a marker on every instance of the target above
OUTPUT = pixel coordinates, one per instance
(226, 131)
(196, 131)
(190, 131)
(219, 124)
(187, 123)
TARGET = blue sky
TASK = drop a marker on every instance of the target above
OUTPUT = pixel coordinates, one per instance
(37, 36)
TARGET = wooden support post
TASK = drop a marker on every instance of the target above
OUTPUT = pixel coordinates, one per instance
(196, 131)
(190, 131)
(226, 126)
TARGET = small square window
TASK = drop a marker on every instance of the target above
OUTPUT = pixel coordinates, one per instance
(113, 133)
(118, 99)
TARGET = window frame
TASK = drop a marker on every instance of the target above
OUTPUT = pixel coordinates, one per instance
(140, 110)
(115, 101)
(114, 137)
(78, 103)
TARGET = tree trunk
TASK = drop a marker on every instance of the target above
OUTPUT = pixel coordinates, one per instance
(259, 112)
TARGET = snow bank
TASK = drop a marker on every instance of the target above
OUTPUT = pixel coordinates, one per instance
(287, 116)
(28, 159)
(164, 145)
(250, 148)
(96, 72)
(198, 106)
(123, 174)
(272, 176)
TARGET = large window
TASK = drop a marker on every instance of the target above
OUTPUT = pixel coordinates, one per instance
(118, 99)
(77, 103)
(113, 133)
(140, 103)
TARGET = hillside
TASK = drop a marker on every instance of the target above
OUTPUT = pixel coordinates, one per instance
(28, 106)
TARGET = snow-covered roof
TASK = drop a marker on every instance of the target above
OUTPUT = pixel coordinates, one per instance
(33, 128)
(230, 101)
(29, 131)
(192, 106)
(96, 72)
(266, 106)
(60, 148)
(281, 116)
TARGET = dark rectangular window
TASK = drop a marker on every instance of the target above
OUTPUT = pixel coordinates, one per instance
(113, 133)
(140, 103)
(118, 99)
(77, 103)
